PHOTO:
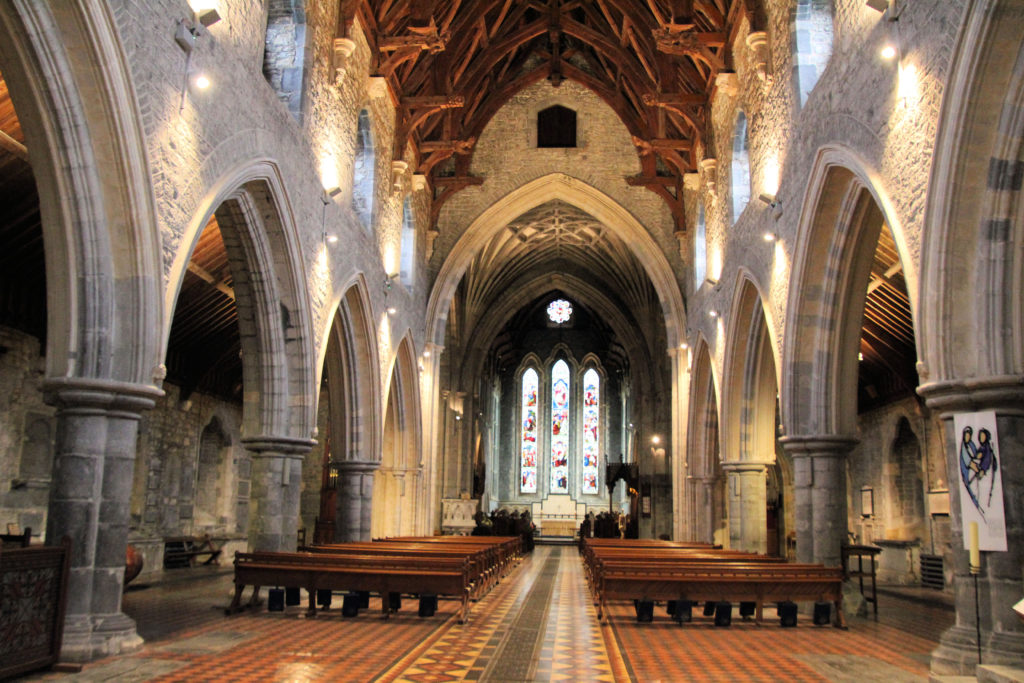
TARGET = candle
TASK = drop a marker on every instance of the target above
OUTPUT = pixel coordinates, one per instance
(972, 536)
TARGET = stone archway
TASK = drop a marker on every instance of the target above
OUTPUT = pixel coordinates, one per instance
(85, 143)
(972, 321)
(749, 398)
(705, 482)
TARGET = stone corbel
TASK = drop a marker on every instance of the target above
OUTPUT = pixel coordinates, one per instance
(376, 86)
(431, 236)
(398, 171)
(343, 49)
(727, 83)
(709, 168)
(419, 182)
(757, 42)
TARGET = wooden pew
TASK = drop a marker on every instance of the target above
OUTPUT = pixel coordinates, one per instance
(732, 581)
(375, 574)
(482, 569)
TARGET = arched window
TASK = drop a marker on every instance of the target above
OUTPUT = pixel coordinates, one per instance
(591, 429)
(284, 52)
(556, 127)
(700, 248)
(812, 44)
(408, 245)
(740, 167)
(560, 427)
(528, 442)
(363, 174)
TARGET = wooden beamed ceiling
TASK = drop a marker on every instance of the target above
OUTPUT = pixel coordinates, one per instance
(452, 64)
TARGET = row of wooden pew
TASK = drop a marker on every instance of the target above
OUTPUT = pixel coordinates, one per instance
(651, 570)
(455, 567)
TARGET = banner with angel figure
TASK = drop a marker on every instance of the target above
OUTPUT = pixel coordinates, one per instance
(980, 464)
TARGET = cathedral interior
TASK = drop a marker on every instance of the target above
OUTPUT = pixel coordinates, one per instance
(278, 272)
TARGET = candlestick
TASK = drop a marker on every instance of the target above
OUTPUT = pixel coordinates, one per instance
(975, 554)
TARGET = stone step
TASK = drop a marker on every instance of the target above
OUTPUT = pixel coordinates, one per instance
(935, 678)
(1000, 673)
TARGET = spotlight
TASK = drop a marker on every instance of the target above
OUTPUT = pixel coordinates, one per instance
(332, 239)
(208, 17)
(713, 313)
(202, 82)
(426, 354)
(392, 310)
(888, 52)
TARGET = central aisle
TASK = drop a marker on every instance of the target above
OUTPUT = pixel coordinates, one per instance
(537, 625)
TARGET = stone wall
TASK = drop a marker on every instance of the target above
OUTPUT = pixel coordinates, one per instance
(27, 433)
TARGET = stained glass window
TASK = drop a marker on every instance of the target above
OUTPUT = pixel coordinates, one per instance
(559, 310)
(528, 446)
(560, 427)
(591, 420)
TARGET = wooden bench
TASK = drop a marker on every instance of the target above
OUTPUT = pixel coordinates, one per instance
(483, 570)
(374, 574)
(182, 551)
(732, 581)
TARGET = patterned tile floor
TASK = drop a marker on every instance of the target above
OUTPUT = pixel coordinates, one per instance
(538, 624)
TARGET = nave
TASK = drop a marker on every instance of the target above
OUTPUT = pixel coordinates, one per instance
(538, 624)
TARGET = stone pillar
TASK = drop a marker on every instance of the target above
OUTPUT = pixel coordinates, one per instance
(1000, 583)
(355, 500)
(819, 484)
(276, 485)
(97, 428)
(748, 516)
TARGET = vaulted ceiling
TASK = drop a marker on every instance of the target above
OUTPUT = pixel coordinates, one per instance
(452, 64)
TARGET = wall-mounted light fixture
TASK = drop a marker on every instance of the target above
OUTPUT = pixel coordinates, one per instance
(326, 198)
(769, 237)
(186, 33)
(713, 313)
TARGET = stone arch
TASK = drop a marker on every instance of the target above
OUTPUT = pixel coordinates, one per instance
(972, 321)
(749, 399)
(212, 475)
(398, 488)
(260, 236)
(904, 484)
(975, 210)
(352, 372)
(285, 52)
(739, 166)
(811, 44)
(97, 210)
(526, 290)
(704, 481)
(582, 195)
(840, 222)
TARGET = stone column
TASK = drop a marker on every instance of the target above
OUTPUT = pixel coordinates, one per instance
(1000, 583)
(276, 484)
(819, 483)
(97, 426)
(355, 500)
(748, 516)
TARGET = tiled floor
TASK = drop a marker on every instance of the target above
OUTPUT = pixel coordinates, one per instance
(537, 624)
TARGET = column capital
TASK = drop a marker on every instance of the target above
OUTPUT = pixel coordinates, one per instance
(820, 445)
(284, 445)
(746, 465)
(100, 394)
(1004, 393)
(356, 466)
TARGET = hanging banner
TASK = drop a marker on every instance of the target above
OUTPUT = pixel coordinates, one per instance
(980, 464)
